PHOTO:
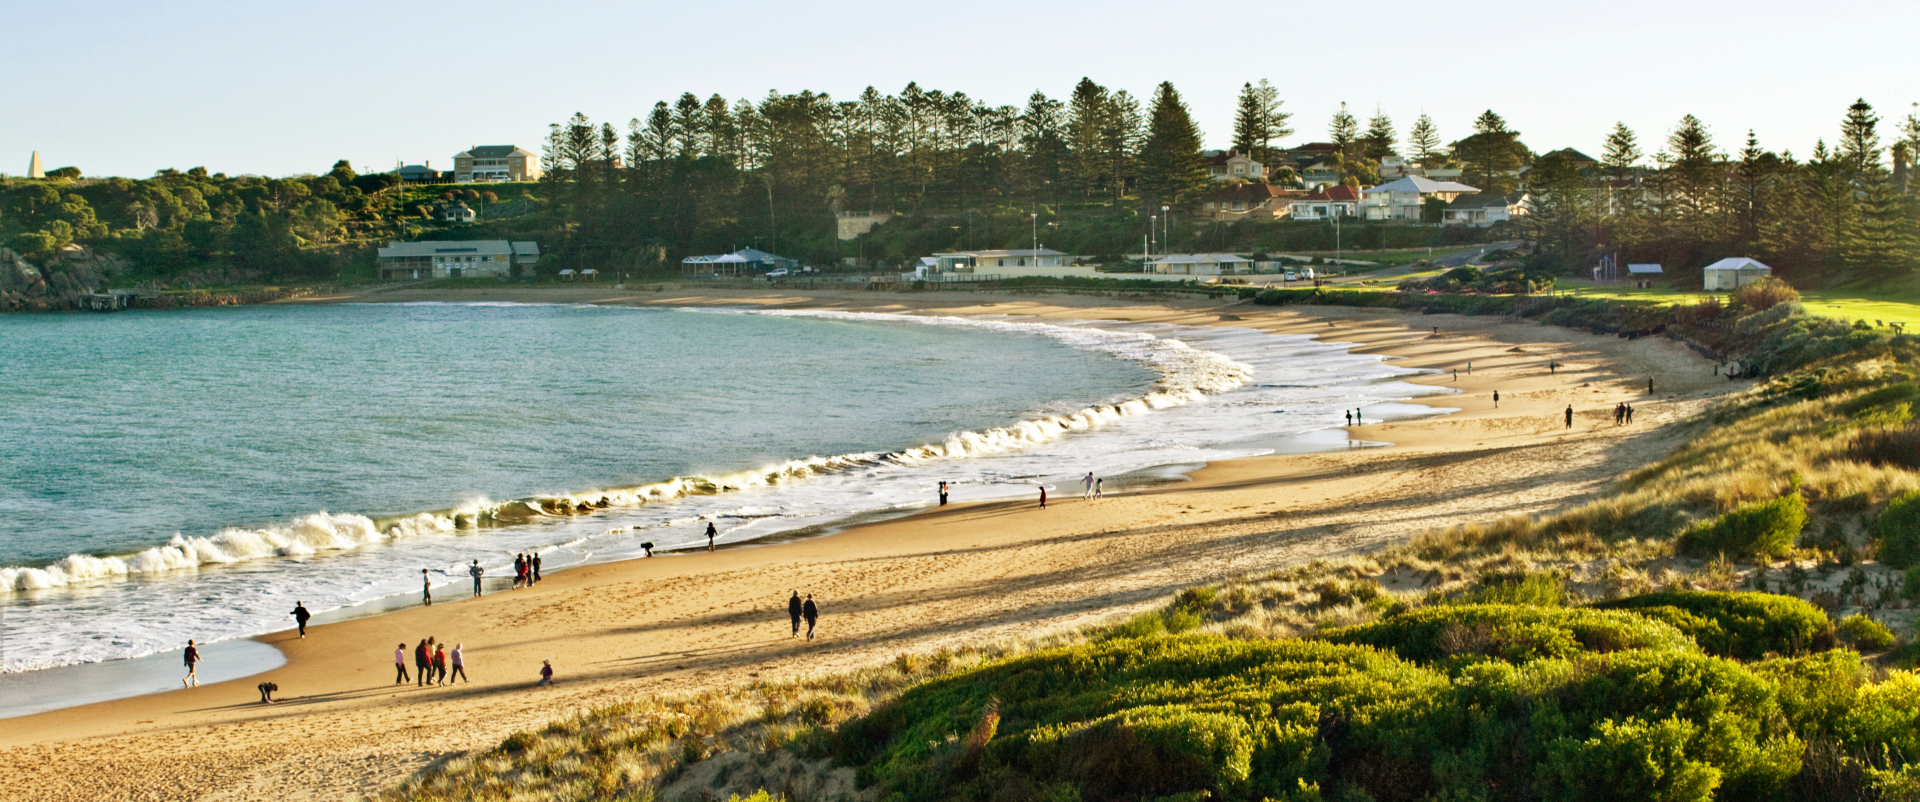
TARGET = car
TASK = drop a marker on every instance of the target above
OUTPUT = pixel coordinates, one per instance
(774, 274)
(1291, 276)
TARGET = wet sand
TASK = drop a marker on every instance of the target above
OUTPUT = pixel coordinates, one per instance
(963, 574)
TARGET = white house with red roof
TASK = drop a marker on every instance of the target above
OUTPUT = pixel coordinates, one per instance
(1338, 200)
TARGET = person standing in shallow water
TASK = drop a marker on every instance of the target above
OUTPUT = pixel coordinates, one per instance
(711, 534)
(426, 588)
(476, 572)
(536, 566)
(811, 612)
(794, 610)
(943, 494)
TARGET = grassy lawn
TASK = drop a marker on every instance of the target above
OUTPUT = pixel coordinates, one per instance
(1845, 304)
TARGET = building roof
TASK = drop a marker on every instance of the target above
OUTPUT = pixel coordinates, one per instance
(1638, 269)
(415, 168)
(1738, 263)
(526, 249)
(1337, 192)
(491, 152)
(1485, 200)
(459, 247)
(1218, 159)
(1002, 254)
(753, 255)
(1422, 185)
(1202, 259)
(714, 258)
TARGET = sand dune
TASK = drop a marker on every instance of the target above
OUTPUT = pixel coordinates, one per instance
(961, 574)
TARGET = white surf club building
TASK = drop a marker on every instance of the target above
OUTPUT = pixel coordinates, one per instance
(457, 259)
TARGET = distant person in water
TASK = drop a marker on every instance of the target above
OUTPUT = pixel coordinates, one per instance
(266, 692)
(301, 616)
(812, 613)
(546, 672)
(711, 534)
(426, 588)
(192, 656)
(793, 612)
(400, 665)
(536, 566)
(476, 572)
(459, 664)
(1349, 414)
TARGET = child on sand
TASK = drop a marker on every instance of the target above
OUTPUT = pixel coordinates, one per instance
(546, 672)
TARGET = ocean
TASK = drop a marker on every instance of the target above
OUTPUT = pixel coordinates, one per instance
(191, 474)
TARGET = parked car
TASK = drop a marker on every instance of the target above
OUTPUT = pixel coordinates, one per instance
(774, 274)
(1291, 276)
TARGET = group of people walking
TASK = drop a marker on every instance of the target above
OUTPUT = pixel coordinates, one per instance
(526, 570)
(1622, 413)
(797, 610)
(433, 664)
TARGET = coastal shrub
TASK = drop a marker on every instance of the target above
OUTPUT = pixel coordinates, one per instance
(1152, 751)
(1898, 531)
(1533, 588)
(1762, 529)
(1883, 397)
(1766, 294)
(1511, 633)
(1628, 761)
(1747, 626)
(1865, 634)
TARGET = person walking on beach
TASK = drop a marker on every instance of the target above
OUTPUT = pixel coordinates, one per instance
(1569, 416)
(459, 664)
(1649, 385)
(440, 664)
(536, 566)
(1469, 368)
(301, 616)
(943, 494)
(810, 612)
(426, 588)
(1043, 497)
(1098, 492)
(1553, 367)
(1496, 399)
(1629, 414)
(192, 656)
(476, 572)
(1087, 483)
(546, 673)
(422, 664)
(1456, 374)
(400, 665)
(711, 534)
(793, 612)
(519, 570)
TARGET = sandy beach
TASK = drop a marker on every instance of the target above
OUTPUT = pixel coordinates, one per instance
(962, 574)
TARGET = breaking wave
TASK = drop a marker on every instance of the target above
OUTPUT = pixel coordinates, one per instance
(1186, 374)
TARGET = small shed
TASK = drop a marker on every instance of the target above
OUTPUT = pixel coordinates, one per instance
(1643, 275)
(1733, 273)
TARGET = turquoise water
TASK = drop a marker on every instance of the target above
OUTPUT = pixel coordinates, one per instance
(234, 429)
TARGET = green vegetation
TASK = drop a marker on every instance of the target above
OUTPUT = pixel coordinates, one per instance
(1764, 529)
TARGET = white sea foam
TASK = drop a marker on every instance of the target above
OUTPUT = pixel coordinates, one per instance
(1203, 403)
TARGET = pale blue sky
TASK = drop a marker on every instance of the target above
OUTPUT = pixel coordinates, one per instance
(283, 87)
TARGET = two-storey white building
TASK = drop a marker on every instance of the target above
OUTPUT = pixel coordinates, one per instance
(1405, 198)
(458, 259)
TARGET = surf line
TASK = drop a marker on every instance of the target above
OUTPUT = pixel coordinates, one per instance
(1186, 374)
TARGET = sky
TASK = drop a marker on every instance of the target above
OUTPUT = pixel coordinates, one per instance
(288, 87)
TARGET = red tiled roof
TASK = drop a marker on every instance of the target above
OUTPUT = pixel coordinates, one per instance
(1340, 192)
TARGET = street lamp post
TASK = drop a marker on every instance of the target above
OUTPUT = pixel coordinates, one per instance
(1166, 226)
(1036, 237)
(1153, 232)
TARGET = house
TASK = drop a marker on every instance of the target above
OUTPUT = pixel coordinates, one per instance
(457, 259)
(420, 174)
(1733, 273)
(1484, 209)
(1405, 199)
(1262, 202)
(1232, 165)
(456, 212)
(1320, 174)
(1334, 201)
(743, 262)
(495, 163)
(973, 261)
(1200, 264)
